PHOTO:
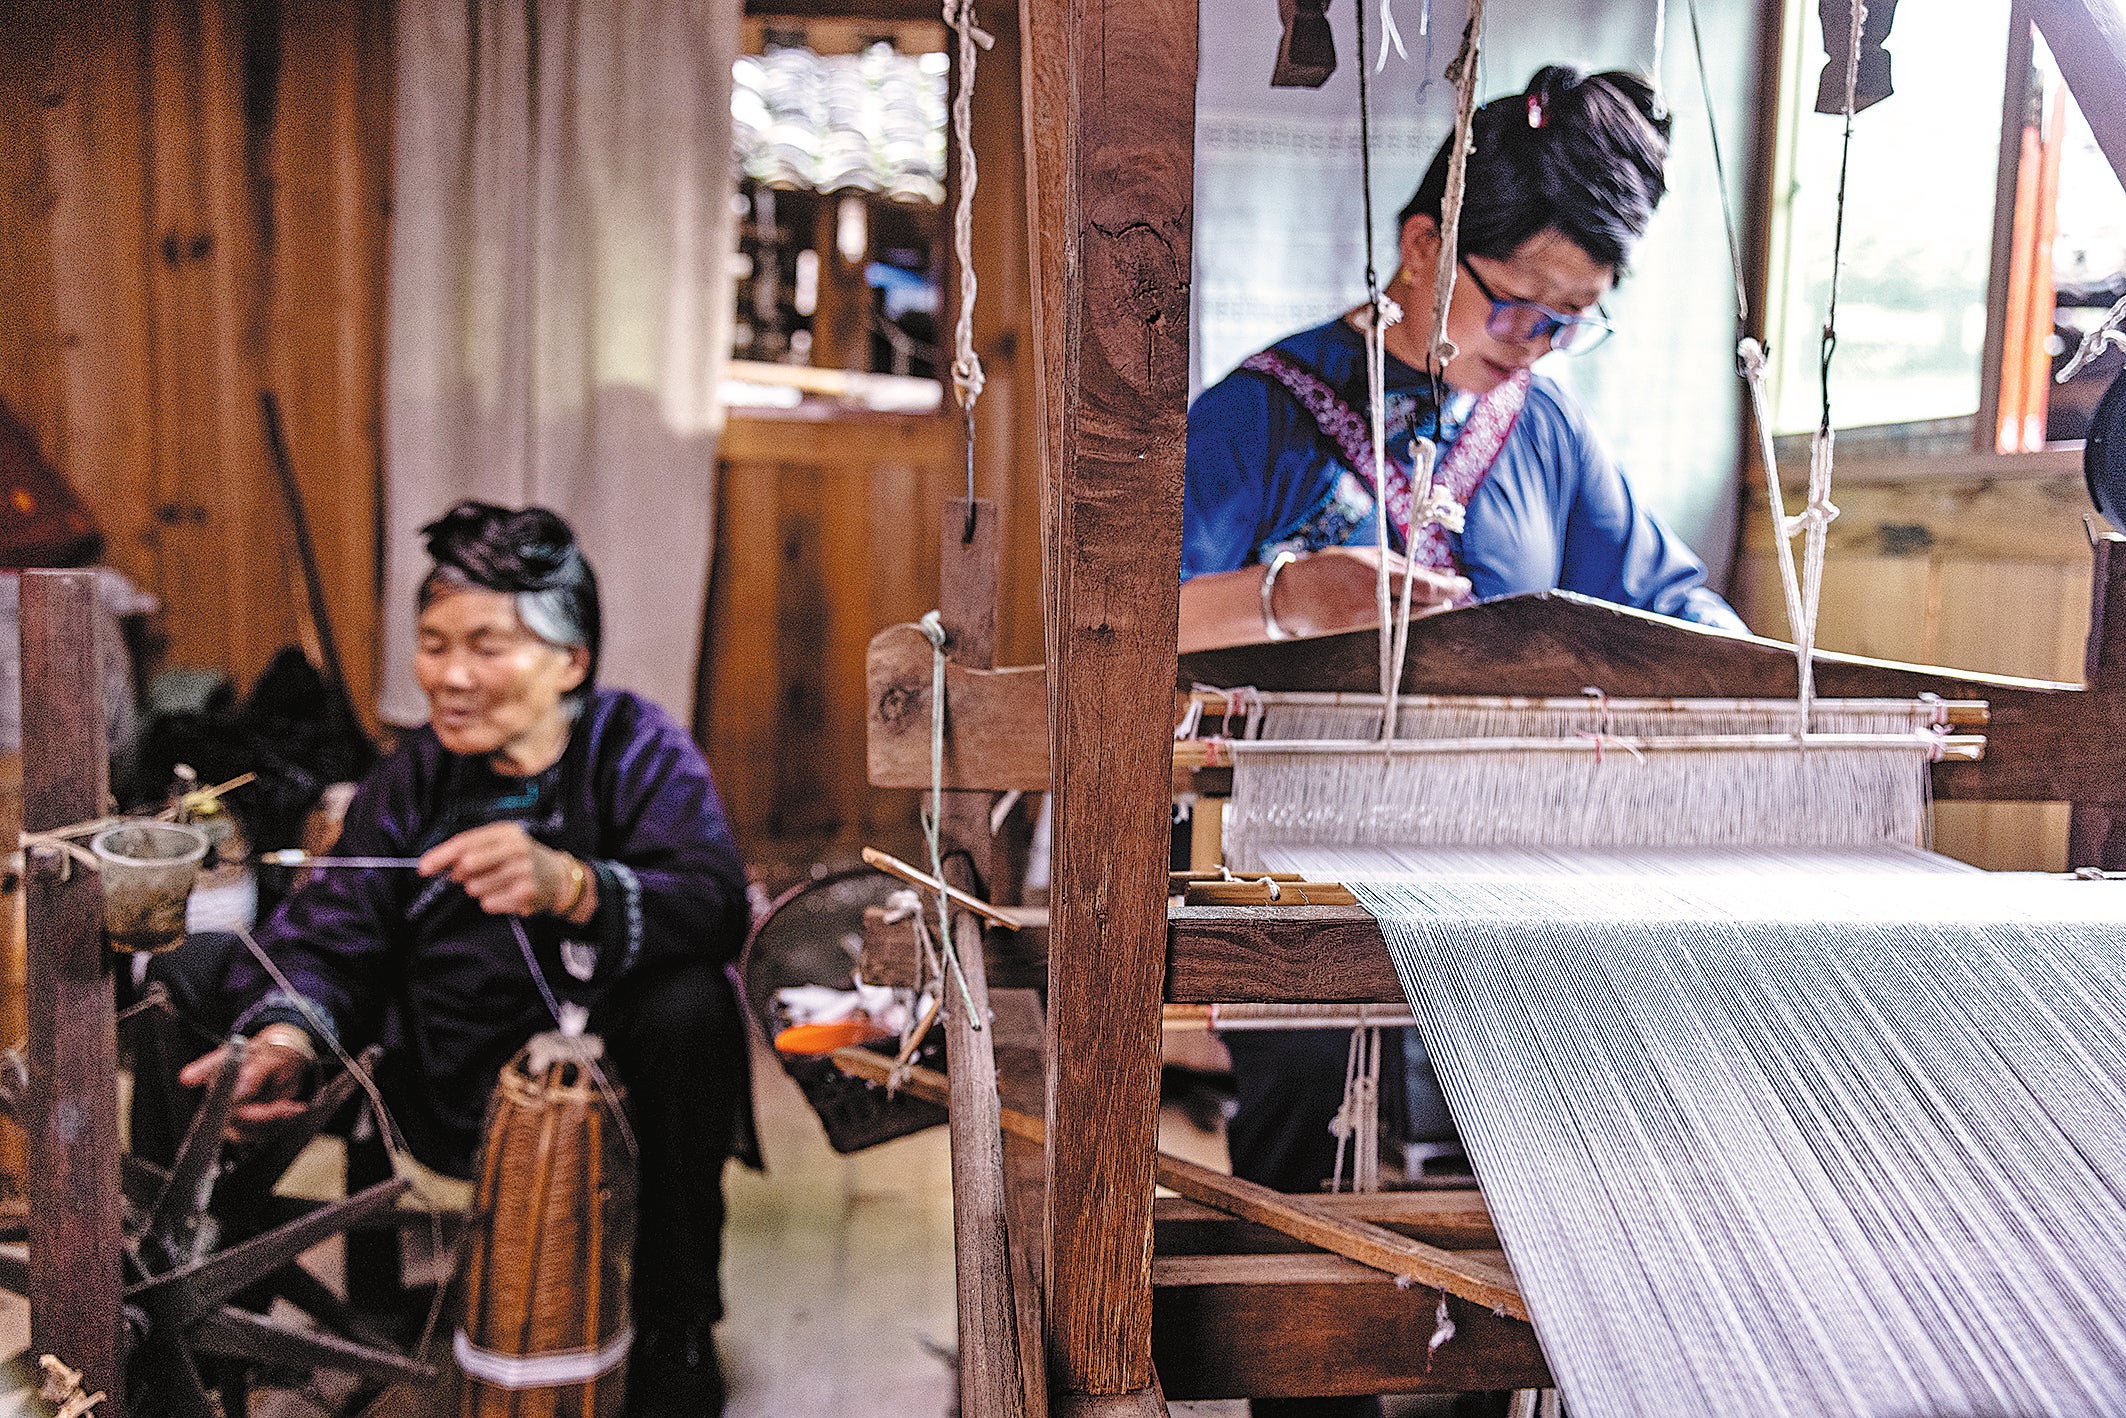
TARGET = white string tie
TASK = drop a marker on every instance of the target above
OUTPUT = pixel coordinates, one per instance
(1442, 1328)
(1440, 508)
(1390, 35)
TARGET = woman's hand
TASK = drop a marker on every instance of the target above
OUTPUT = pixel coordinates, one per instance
(267, 1083)
(1331, 590)
(508, 873)
(1337, 589)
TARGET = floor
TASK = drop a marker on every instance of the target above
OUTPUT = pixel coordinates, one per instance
(837, 1275)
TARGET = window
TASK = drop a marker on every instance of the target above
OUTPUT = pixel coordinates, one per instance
(1932, 214)
(840, 138)
(1918, 226)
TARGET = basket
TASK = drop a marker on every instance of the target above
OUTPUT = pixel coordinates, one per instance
(812, 935)
(547, 1328)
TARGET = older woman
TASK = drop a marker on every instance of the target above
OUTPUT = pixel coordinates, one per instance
(584, 819)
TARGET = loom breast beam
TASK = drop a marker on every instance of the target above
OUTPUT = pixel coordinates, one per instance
(2047, 741)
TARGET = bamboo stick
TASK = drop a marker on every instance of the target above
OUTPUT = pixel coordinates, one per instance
(1960, 748)
(894, 866)
(1950, 711)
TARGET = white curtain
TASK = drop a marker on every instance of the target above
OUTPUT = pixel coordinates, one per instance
(560, 302)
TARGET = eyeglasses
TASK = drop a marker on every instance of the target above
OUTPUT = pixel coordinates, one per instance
(1523, 322)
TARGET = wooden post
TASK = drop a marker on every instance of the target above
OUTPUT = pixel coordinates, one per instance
(2094, 835)
(1126, 112)
(993, 1381)
(75, 1240)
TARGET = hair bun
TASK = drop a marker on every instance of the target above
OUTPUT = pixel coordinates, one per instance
(502, 549)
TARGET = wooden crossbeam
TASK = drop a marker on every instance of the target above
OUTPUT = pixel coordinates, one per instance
(1471, 1276)
(2045, 741)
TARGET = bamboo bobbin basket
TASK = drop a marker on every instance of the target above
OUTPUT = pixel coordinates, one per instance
(547, 1328)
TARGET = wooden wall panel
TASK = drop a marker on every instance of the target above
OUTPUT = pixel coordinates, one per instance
(1983, 573)
(826, 534)
(199, 198)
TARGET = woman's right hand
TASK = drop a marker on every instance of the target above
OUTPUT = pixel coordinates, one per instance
(1336, 589)
(267, 1084)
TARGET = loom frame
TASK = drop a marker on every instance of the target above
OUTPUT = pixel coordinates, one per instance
(1109, 217)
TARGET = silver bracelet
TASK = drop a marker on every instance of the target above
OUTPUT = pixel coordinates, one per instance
(1278, 563)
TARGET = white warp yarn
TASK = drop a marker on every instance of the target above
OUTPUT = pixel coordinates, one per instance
(1847, 1145)
(1825, 797)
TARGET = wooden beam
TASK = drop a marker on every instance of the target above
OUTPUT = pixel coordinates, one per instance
(992, 1383)
(1113, 530)
(1478, 1276)
(996, 734)
(1278, 955)
(75, 1236)
(2088, 42)
(1022, 1084)
(2015, 93)
(1454, 1219)
(1303, 1325)
(2045, 741)
(2096, 831)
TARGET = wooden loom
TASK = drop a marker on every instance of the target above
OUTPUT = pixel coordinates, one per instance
(1226, 1309)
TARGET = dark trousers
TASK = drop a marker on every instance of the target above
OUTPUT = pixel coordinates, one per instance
(678, 1043)
(1290, 1084)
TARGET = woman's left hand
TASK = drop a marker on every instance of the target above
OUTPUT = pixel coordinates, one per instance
(502, 868)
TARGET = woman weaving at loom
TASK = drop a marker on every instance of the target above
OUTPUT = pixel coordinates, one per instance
(1279, 532)
(568, 839)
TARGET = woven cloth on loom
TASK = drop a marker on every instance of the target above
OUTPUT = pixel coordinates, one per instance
(1789, 1145)
(1511, 795)
(1399, 863)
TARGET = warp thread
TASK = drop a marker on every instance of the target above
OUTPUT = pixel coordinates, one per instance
(1842, 1146)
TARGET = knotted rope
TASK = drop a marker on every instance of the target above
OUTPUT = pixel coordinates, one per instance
(967, 375)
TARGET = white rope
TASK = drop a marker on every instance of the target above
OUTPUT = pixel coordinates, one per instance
(966, 364)
(1357, 1122)
(1379, 315)
(933, 628)
(1463, 72)
(1429, 503)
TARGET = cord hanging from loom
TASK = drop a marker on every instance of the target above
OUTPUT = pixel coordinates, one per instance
(933, 628)
(967, 377)
(1802, 589)
(1357, 1123)
(1660, 50)
(1438, 504)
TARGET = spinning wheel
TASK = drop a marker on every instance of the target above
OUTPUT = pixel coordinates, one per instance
(209, 1246)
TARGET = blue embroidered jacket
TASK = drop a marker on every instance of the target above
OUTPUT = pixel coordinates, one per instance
(1555, 513)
